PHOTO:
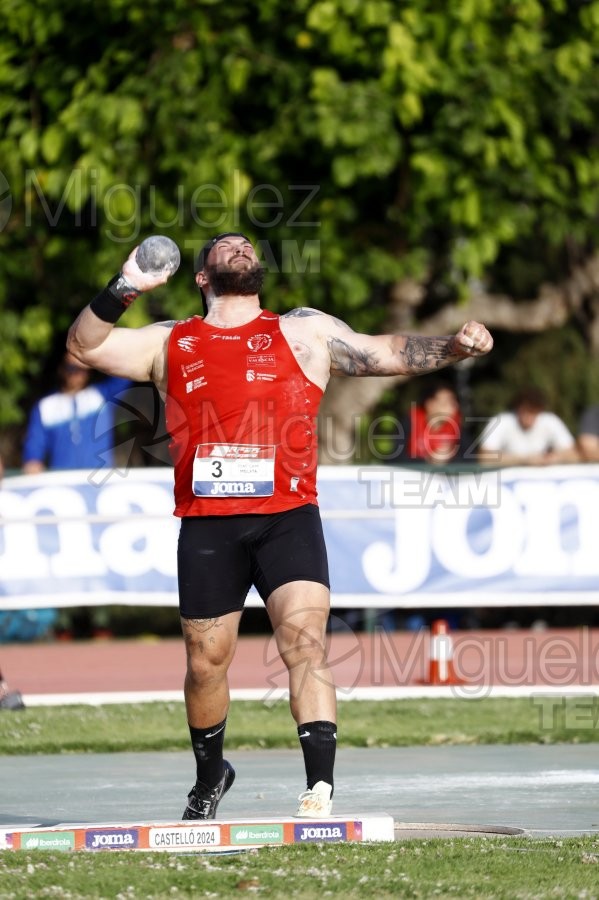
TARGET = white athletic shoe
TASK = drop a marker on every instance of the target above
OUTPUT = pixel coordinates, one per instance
(316, 803)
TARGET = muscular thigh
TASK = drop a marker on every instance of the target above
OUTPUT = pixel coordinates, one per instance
(290, 548)
(219, 558)
(214, 567)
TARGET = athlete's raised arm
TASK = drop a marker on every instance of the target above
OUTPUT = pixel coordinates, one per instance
(136, 353)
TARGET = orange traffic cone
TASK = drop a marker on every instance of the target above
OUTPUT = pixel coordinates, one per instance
(440, 669)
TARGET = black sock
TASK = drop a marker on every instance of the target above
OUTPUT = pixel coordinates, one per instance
(319, 742)
(207, 746)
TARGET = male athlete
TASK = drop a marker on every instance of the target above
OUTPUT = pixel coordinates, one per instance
(242, 386)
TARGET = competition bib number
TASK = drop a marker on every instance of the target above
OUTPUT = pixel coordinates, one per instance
(234, 470)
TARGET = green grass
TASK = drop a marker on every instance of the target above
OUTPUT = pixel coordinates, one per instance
(162, 726)
(511, 868)
(494, 867)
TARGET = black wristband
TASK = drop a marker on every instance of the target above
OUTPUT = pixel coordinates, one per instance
(110, 304)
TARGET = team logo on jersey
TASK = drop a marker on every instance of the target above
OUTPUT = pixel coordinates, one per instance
(187, 370)
(262, 359)
(194, 384)
(259, 342)
(252, 375)
(188, 344)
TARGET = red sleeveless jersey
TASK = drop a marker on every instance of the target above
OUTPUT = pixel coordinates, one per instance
(242, 419)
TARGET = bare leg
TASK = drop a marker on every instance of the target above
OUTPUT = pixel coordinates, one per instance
(298, 613)
(210, 646)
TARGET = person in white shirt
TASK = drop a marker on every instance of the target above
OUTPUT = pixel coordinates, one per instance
(527, 435)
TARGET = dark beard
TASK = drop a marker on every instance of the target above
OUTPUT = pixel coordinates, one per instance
(233, 281)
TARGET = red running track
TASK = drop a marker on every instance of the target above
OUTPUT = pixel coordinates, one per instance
(558, 658)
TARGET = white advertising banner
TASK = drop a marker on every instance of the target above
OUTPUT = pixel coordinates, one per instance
(396, 537)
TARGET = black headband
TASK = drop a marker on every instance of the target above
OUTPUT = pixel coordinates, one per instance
(200, 260)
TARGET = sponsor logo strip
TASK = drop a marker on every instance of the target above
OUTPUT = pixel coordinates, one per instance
(323, 831)
(48, 840)
(256, 834)
(182, 838)
(112, 839)
(198, 837)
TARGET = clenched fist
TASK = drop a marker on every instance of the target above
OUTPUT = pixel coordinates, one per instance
(473, 339)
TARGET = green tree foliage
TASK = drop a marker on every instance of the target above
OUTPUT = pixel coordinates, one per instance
(360, 141)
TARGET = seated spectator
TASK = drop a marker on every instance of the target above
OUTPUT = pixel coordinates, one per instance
(72, 428)
(434, 432)
(588, 435)
(527, 435)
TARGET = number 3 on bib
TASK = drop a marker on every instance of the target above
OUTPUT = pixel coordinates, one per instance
(231, 470)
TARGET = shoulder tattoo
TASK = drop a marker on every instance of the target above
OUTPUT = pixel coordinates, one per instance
(301, 312)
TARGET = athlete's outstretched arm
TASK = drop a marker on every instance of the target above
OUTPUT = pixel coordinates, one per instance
(360, 354)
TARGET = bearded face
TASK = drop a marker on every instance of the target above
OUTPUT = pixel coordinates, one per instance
(240, 277)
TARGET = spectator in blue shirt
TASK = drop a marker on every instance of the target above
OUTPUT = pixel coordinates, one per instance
(73, 427)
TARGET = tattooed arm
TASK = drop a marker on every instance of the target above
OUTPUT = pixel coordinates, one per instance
(327, 346)
(359, 354)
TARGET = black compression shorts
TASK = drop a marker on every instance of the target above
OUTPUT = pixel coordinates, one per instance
(220, 557)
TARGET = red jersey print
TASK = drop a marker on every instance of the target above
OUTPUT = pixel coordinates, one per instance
(242, 419)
